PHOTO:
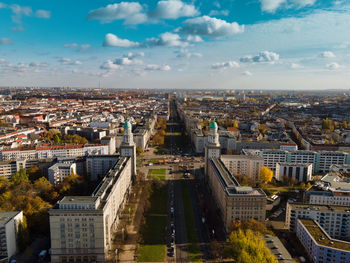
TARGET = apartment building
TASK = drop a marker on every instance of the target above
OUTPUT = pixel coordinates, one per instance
(98, 165)
(320, 247)
(321, 161)
(59, 171)
(244, 165)
(9, 222)
(335, 220)
(302, 172)
(45, 152)
(234, 201)
(331, 189)
(81, 227)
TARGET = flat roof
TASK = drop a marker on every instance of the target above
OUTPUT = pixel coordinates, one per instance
(322, 238)
(78, 199)
(323, 208)
(248, 157)
(6, 216)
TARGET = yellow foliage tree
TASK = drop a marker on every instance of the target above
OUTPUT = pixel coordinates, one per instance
(265, 175)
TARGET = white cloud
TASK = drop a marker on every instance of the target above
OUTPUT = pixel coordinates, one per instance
(154, 67)
(134, 55)
(127, 61)
(327, 54)
(333, 66)
(5, 41)
(38, 64)
(223, 12)
(3, 61)
(3, 5)
(264, 56)
(109, 65)
(185, 53)
(68, 61)
(84, 47)
(210, 26)
(112, 40)
(225, 65)
(247, 73)
(173, 9)
(271, 6)
(296, 66)
(167, 39)
(131, 12)
(193, 38)
(73, 45)
(43, 14)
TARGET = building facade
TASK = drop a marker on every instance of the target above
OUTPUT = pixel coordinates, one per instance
(59, 171)
(320, 247)
(81, 227)
(335, 220)
(9, 222)
(302, 172)
(244, 165)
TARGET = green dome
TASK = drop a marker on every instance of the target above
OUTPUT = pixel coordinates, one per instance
(127, 125)
(213, 125)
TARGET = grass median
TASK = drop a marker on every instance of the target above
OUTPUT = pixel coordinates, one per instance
(153, 234)
(157, 174)
(194, 253)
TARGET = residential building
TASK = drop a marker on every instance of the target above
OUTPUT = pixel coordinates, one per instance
(320, 247)
(98, 165)
(235, 202)
(44, 152)
(335, 220)
(59, 171)
(302, 172)
(331, 189)
(81, 227)
(321, 160)
(9, 222)
(243, 165)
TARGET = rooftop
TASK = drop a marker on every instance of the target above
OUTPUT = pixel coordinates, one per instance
(323, 208)
(6, 216)
(321, 237)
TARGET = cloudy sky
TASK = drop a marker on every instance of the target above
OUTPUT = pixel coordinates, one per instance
(223, 44)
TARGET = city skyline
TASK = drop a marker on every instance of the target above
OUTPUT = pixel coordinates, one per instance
(266, 44)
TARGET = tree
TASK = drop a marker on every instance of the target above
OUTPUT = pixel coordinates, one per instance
(265, 175)
(34, 172)
(139, 150)
(22, 234)
(19, 176)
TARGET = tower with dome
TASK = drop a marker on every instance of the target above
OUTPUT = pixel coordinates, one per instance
(212, 147)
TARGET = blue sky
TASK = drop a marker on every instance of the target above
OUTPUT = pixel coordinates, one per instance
(227, 44)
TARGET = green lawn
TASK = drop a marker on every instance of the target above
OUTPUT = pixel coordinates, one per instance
(153, 234)
(157, 174)
(194, 253)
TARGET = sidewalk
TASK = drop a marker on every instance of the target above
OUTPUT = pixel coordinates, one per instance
(128, 249)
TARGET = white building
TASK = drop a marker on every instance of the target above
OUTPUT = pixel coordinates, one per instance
(335, 220)
(320, 247)
(82, 227)
(331, 189)
(44, 152)
(243, 165)
(98, 165)
(59, 171)
(9, 222)
(302, 172)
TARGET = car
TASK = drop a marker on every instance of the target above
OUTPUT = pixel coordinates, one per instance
(172, 209)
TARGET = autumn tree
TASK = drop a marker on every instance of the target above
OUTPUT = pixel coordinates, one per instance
(22, 234)
(34, 173)
(247, 246)
(265, 175)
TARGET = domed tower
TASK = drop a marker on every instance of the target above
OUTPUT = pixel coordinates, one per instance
(212, 148)
(128, 147)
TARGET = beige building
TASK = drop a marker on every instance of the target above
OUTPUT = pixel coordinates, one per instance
(245, 165)
(235, 202)
(82, 227)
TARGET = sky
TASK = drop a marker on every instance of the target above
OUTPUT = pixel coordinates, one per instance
(176, 44)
